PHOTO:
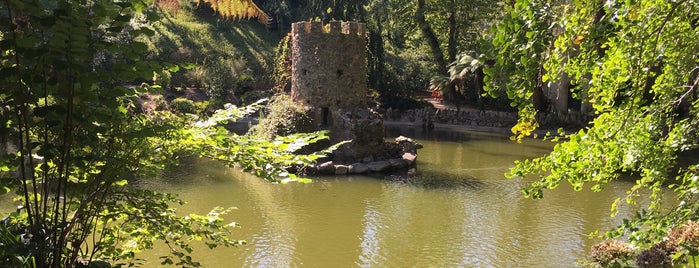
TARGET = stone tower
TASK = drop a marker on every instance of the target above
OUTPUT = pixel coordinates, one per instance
(329, 64)
(329, 78)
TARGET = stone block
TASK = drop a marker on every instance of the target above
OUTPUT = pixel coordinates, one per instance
(379, 166)
(326, 168)
(341, 169)
(398, 163)
(358, 168)
(409, 158)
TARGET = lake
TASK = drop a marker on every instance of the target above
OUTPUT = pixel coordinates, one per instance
(460, 212)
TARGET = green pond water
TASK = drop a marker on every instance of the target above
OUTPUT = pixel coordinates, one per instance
(461, 212)
(464, 214)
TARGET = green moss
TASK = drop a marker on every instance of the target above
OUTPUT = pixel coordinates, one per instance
(283, 117)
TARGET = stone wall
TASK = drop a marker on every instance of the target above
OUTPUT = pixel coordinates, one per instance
(329, 78)
(329, 64)
(478, 118)
(363, 127)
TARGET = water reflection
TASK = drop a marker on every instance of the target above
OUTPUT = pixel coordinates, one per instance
(458, 211)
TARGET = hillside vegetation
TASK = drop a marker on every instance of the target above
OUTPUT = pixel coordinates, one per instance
(228, 60)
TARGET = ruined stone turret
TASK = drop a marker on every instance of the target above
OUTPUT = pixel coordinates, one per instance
(329, 78)
(329, 65)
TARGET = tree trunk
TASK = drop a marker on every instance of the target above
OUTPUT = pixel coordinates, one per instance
(431, 38)
(453, 35)
(558, 92)
(436, 49)
(538, 97)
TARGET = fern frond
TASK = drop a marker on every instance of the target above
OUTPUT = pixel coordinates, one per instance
(237, 9)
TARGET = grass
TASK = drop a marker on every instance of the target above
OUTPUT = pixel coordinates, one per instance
(196, 35)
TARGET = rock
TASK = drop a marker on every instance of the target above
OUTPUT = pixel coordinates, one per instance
(379, 166)
(398, 163)
(408, 145)
(341, 169)
(358, 168)
(409, 158)
(368, 159)
(401, 139)
(326, 168)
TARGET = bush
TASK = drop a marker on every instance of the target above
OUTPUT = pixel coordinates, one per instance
(243, 84)
(194, 77)
(284, 117)
(160, 103)
(204, 107)
(183, 106)
(405, 77)
(219, 80)
(163, 78)
(249, 97)
(612, 253)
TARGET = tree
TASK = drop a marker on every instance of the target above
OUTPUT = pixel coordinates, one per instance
(450, 28)
(520, 41)
(637, 63)
(76, 139)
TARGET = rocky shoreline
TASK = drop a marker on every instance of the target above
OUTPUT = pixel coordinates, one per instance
(402, 156)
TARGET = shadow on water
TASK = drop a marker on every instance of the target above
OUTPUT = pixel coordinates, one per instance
(442, 135)
(433, 180)
(446, 181)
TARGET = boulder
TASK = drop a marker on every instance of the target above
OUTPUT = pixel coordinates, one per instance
(409, 158)
(326, 168)
(358, 168)
(341, 169)
(398, 163)
(408, 145)
(379, 166)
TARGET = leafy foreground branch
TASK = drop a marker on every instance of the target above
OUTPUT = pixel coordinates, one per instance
(634, 65)
(72, 141)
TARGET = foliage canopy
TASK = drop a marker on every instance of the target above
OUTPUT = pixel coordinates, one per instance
(73, 140)
(636, 64)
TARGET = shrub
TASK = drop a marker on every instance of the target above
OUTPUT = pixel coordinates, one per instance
(219, 80)
(183, 106)
(243, 84)
(159, 101)
(683, 242)
(163, 78)
(401, 102)
(249, 97)
(612, 253)
(204, 107)
(194, 77)
(284, 117)
(658, 256)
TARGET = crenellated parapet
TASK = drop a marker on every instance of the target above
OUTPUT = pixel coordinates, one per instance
(329, 78)
(329, 64)
(334, 27)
